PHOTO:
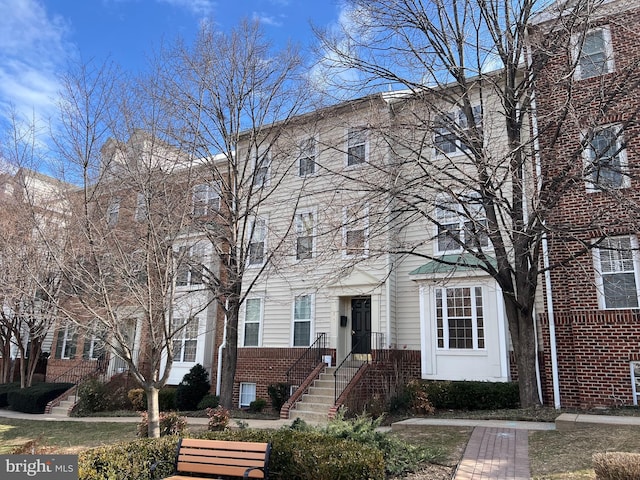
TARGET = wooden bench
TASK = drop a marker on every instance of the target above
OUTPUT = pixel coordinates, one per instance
(210, 458)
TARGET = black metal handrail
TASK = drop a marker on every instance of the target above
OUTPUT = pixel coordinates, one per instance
(354, 361)
(305, 364)
(80, 371)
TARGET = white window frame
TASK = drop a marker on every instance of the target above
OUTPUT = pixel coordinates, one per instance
(69, 332)
(577, 44)
(361, 221)
(635, 380)
(454, 213)
(356, 137)
(589, 157)
(261, 158)
(96, 337)
(258, 321)
(633, 261)
(301, 320)
(308, 154)
(302, 231)
(449, 136)
(188, 335)
(478, 323)
(246, 394)
(141, 212)
(205, 199)
(113, 212)
(190, 253)
(261, 231)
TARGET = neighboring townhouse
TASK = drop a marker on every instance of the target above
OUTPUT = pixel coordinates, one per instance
(588, 104)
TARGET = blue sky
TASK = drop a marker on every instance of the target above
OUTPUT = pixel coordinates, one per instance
(39, 37)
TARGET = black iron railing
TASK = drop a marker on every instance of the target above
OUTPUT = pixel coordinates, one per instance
(304, 365)
(79, 372)
(355, 360)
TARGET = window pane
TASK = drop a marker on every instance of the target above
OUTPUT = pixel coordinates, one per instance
(304, 248)
(355, 242)
(593, 56)
(356, 149)
(256, 253)
(301, 333)
(247, 394)
(251, 334)
(253, 309)
(620, 290)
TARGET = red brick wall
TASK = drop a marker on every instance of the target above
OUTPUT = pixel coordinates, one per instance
(594, 350)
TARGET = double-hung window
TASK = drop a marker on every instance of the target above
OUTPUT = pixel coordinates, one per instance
(190, 265)
(257, 241)
(593, 53)
(206, 199)
(307, 160)
(185, 340)
(453, 133)
(141, 211)
(356, 231)
(356, 146)
(460, 318)
(461, 224)
(617, 272)
(67, 342)
(606, 159)
(304, 225)
(261, 166)
(302, 316)
(247, 393)
(252, 321)
(113, 212)
(94, 342)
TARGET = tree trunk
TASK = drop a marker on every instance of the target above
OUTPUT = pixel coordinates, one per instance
(229, 358)
(153, 411)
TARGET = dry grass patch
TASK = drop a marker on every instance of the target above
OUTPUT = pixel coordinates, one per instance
(560, 455)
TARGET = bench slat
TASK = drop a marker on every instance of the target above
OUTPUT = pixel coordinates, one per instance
(221, 470)
(199, 452)
(184, 462)
(224, 445)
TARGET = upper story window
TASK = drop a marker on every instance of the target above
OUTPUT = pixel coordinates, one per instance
(356, 146)
(252, 321)
(606, 159)
(304, 225)
(140, 214)
(261, 166)
(617, 269)
(593, 53)
(453, 132)
(355, 231)
(66, 342)
(113, 211)
(307, 160)
(206, 199)
(190, 265)
(257, 241)
(460, 224)
(95, 342)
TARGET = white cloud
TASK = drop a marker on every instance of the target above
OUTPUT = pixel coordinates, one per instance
(271, 20)
(32, 50)
(197, 7)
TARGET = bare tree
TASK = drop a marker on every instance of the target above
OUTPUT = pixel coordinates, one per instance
(234, 96)
(131, 222)
(463, 138)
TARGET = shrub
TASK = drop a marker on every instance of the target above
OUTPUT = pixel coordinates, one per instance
(167, 398)
(138, 399)
(279, 394)
(170, 424)
(34, 399)
(92, 397)
(5, 388)
(463, 395)
(294, 455)
(616, 465)
(128, 460)
(209, 401)
(192, 388)
(219, 418)
(117, 389)
(257, 405)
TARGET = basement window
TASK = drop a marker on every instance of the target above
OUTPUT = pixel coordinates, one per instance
(635, 381)
(247, 394)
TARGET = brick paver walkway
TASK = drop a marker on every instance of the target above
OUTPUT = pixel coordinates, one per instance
(495, 453)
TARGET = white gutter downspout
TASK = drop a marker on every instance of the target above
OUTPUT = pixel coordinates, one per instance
(545, 254)
(220, 349)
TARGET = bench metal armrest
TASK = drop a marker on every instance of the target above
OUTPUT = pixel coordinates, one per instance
(248, 470)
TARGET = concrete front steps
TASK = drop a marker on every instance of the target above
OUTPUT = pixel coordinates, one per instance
(64, 409)
(314, 405)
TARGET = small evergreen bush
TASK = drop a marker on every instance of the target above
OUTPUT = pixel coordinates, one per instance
(167, 398)
(5, 388)
(34, 399)
(92, 397)
(171, 423)
(257, 405)
(209, 401)
(192, 388)
(279, 394)
(463, 395)
(138, 399)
